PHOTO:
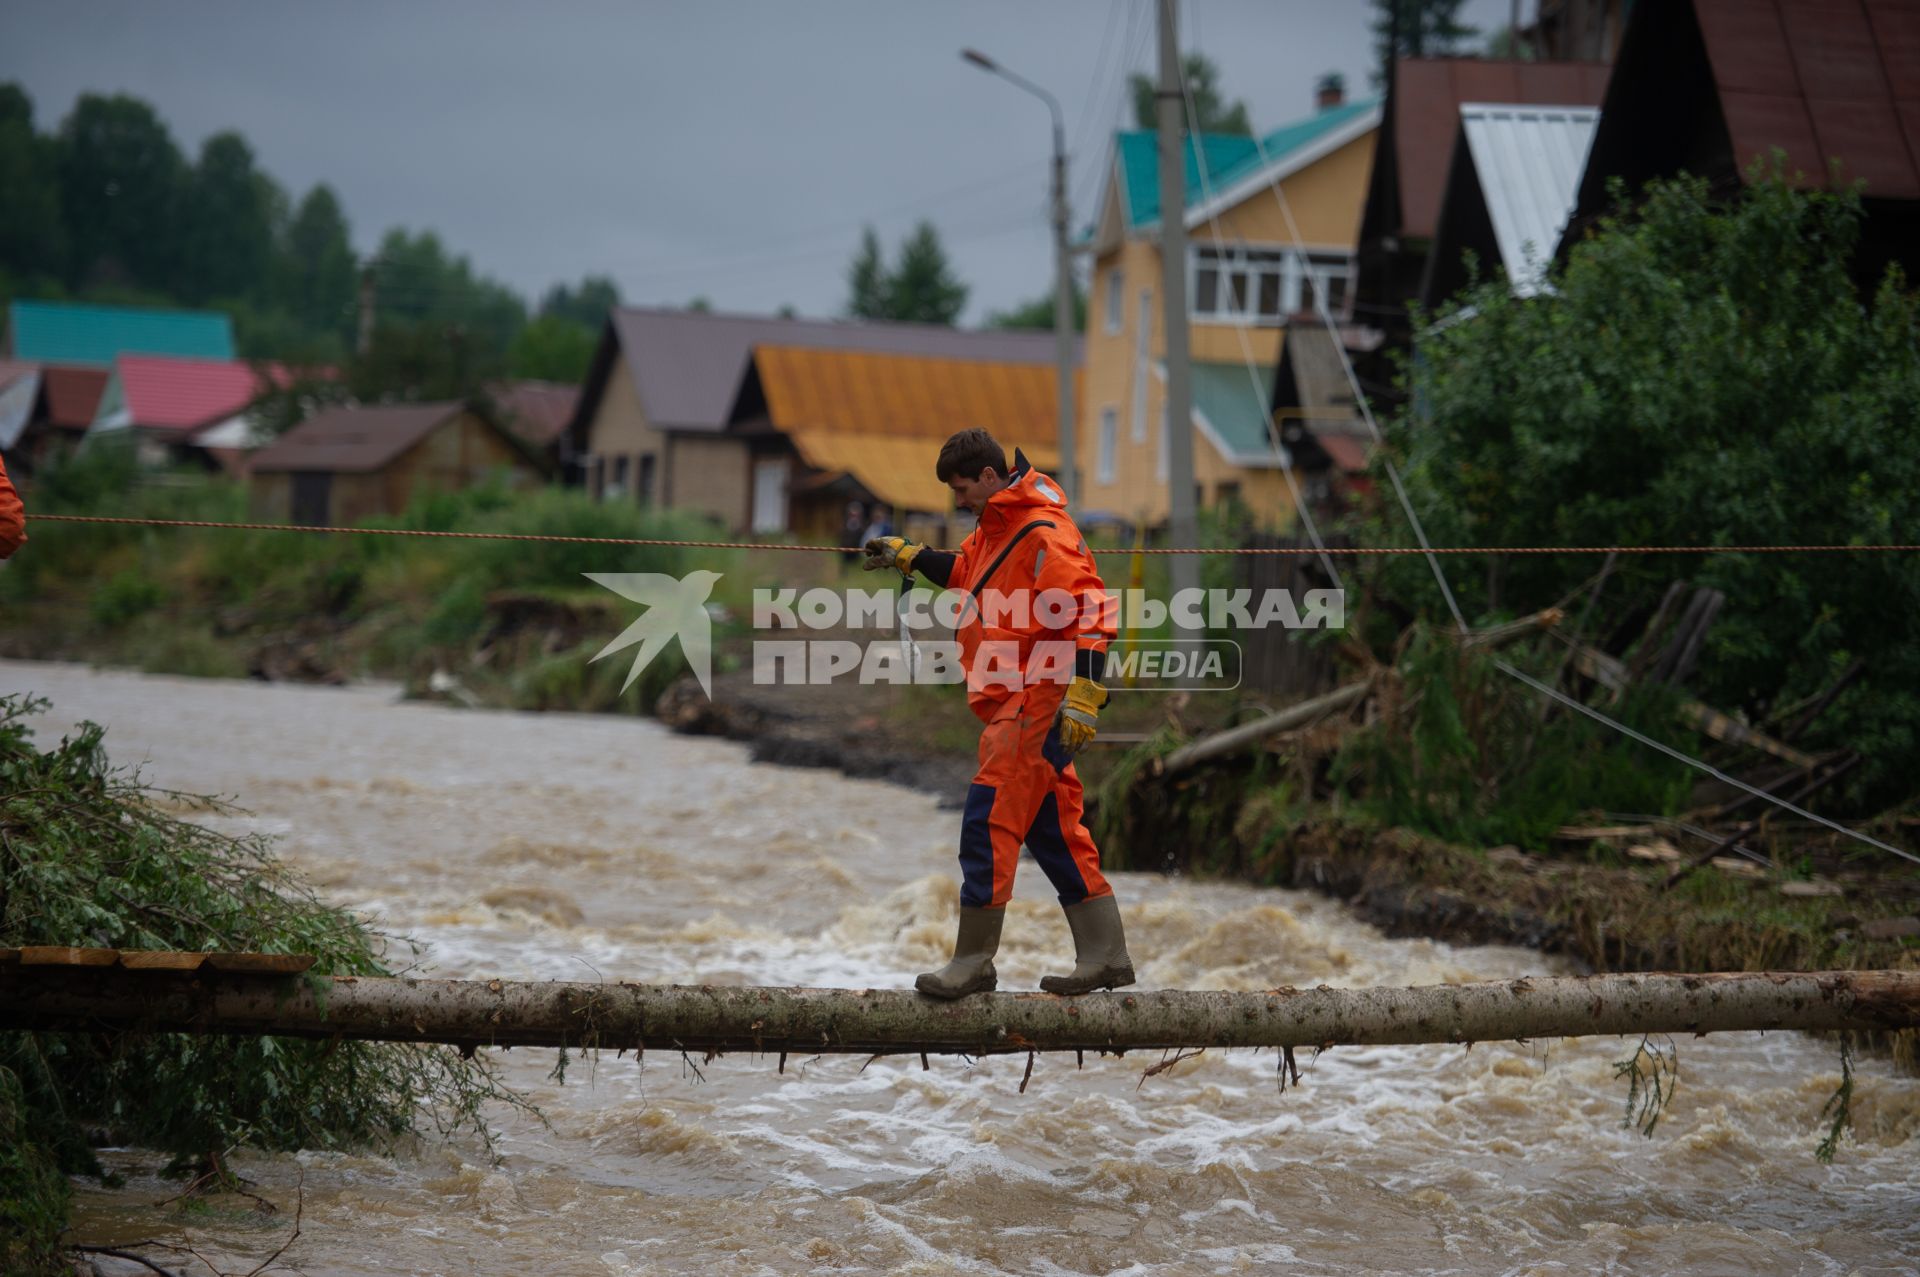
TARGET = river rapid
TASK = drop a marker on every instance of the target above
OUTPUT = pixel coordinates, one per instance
(579, 847)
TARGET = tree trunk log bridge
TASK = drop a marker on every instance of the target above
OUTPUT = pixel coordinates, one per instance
(477, 1013)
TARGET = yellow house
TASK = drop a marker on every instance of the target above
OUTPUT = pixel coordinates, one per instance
(1245, 286)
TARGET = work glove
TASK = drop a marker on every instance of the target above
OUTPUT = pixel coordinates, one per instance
(1079, 715)
(891, 552)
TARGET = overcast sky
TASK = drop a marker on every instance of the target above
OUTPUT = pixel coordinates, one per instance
(730, 148)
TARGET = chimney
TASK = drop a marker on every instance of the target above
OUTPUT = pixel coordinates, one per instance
(1330, 91)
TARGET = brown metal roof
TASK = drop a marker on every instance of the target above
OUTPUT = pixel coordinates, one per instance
(354, 439)
(1425, 116)
(688, 365)
(72, 394)
(1834, 80)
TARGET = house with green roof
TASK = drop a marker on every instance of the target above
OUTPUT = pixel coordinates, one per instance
(76, 333)
(1271, 223)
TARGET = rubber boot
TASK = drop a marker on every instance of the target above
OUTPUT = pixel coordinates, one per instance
(971, 970)
(1100, 958)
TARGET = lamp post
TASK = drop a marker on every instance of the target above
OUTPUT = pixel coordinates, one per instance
(1068, 473)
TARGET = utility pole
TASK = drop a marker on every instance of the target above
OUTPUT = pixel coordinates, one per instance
(363, 337)
(1182, 526)
(1068, 473)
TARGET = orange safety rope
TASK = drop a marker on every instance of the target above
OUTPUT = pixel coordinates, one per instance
(1352, 551)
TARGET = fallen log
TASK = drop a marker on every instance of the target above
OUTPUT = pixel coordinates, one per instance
(476, 1013)
(1238, 738)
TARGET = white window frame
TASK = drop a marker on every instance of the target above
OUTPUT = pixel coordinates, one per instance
(1260, 285)
(1116, 299)
(1105, 459)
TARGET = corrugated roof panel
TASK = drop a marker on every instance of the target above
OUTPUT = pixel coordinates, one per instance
(183, 394)
(353, 439)
(1229, 157)
(71, 333)
(1529, 160)
(905, 396)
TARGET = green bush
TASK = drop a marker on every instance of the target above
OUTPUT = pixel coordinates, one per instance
(90, 856)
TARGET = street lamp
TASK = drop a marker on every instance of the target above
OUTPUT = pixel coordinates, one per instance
(1062, 270)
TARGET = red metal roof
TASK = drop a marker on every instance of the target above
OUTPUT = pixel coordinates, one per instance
(1427, 94)
(72, 394)
(1821, 80)
(181, 394)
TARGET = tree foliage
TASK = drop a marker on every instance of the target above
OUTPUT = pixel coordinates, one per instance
(1201, 79)
(1037, 312)
(91, 857)
(1427, 29)
(1701, 373)
(920, 286)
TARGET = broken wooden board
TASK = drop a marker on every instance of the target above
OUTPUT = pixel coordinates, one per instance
(160, 960)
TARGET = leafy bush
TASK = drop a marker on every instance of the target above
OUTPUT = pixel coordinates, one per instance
(90, 856)
(1701, 373)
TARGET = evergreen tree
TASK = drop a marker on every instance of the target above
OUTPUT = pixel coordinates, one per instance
(1427, 29)
(317, 278)
(867, 280)
(227, 224)
(32, 236)
(122, 180)
(922, 288)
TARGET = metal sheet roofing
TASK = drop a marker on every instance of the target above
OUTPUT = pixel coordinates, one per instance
(73, 395)
(687, 365)
(1529, 160)
(881, 418)
(1837, 80)
(354, 439)
(1424, 117)
(72, 333)
(1231, 406)
(160, 393)
(914, 396)
(1230, 159)
(896, 469)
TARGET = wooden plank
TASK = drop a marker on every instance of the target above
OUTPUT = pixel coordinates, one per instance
(60, 955)
(261, 963)
(160, 960)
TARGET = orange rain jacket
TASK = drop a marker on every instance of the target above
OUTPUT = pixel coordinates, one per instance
(13, 516)
(1027, 551)
(1026, 791)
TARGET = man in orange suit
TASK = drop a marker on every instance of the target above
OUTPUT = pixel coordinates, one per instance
(1034, 678)
(13, 516)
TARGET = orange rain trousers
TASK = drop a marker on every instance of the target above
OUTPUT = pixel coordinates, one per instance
(1026, 791)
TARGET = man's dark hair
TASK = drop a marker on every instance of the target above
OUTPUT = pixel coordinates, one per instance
(967, 454)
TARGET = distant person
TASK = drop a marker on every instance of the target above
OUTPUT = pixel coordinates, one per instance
(853, 531)
(881, 524)
(13, 516)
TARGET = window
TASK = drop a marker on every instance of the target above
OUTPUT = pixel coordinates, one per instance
(643, 484)
(1263, 286)
(1116, 299)
(1164, 458)
(618, 486)
(1109, 444)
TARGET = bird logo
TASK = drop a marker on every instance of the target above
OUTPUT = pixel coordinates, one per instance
(676, 607)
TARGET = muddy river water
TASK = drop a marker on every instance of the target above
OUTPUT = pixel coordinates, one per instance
(579, 848)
